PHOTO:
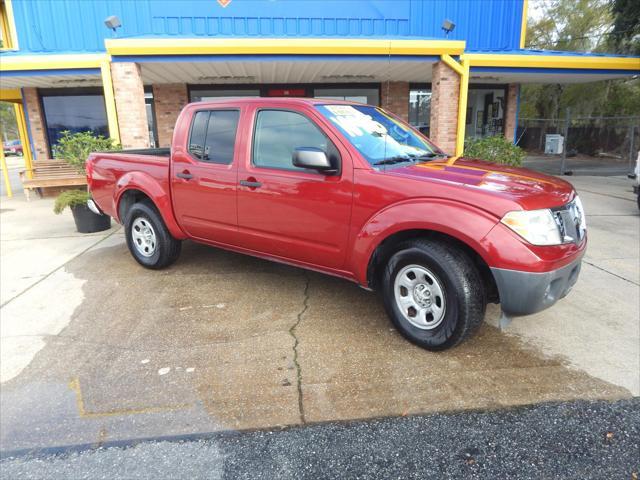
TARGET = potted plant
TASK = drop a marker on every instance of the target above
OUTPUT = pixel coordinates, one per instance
(74, 148)
(86, 220)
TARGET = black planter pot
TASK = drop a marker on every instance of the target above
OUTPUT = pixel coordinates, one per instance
(89, 222)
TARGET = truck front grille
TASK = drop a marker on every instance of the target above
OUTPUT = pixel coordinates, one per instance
(570, 221)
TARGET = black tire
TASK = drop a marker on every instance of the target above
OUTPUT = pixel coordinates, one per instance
(167, 249)
(464, 295)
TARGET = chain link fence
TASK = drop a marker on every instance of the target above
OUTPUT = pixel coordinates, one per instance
(590, 145)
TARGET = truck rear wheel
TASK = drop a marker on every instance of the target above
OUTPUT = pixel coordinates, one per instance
(148, 238)
(433, 294)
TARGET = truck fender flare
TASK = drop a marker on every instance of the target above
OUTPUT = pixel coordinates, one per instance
(462, 221)
(157, 194)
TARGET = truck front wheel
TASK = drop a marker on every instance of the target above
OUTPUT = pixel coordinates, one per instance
(148, 238)
(433, 294)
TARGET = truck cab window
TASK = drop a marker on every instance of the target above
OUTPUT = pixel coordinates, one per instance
(278, 133)
(213, 136)
(198, 134)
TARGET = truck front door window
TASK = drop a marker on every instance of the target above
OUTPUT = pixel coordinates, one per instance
(278, 133)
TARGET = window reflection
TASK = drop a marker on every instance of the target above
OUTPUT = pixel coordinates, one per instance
(75, 113)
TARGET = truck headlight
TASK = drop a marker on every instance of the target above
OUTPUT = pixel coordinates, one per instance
(537, 227)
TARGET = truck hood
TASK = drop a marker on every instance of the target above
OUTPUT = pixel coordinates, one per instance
(531, 190)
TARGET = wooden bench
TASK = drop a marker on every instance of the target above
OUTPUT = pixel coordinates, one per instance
(47, 175)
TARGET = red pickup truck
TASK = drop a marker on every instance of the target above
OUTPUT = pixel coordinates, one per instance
(352, 191)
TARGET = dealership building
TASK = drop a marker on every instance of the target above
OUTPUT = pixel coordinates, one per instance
(452, 68)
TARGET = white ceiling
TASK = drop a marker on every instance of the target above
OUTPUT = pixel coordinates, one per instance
(509, 77)
(51, 81)
(319, 71)
(291, 72)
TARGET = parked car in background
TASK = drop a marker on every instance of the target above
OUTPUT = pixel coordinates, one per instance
(12, 147)
(351, 190)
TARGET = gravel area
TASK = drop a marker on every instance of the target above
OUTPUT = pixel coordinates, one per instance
(580, 440)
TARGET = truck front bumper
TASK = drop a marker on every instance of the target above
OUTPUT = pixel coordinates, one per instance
(524, 293)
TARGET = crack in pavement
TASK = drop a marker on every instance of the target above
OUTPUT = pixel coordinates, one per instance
(292, 332)
(611, 273)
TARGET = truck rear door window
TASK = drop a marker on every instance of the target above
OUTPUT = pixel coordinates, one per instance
(213, 135)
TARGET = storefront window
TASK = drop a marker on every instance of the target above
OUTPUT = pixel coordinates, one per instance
(420, 108)
(370, 96)
(151, 118)
(485, 111)
(205, 94)
(81, 112)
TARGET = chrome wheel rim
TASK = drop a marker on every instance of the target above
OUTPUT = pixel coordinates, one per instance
(420, 297)
(143, 236)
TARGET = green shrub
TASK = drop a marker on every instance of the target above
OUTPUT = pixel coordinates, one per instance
(494, 149)
(70, 198)
(74, 148)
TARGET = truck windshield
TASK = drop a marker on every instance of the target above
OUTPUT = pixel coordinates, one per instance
(380, 138)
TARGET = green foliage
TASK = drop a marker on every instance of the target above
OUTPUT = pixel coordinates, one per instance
(70, 198)
(8, 125)
(625, 35)
(588, 26)
(495, 149)
(74, 148)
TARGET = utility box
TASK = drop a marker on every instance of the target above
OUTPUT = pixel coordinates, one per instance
(553, 144)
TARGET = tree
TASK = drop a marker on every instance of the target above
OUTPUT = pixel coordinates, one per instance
(589, 26)
(625, 36)
(8, 125)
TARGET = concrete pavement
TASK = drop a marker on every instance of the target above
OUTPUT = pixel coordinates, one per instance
(101, 349)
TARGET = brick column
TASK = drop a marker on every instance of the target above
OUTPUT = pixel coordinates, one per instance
(394, 97)
(168, 100)
(128, 90)
(36, 123)
(511, 112)
(445, 91)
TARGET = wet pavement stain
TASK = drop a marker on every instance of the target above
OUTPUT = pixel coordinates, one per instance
(243, 343)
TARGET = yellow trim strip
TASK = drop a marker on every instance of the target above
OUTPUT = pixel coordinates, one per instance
(462, 106)
(10, 95)
(109, 100)
(281, 46)
(24, 139)
(523, 26)
(5, 174)
(553, 61)
(455, 66)
(9, 27)
(50, 62)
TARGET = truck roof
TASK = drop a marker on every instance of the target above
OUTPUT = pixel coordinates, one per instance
(279, 100)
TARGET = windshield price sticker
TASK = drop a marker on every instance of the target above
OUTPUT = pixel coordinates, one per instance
(354, 122)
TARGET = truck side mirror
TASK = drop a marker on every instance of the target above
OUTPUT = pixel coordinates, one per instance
(312, 158)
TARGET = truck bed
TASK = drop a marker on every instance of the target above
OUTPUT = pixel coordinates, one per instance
(105, 169)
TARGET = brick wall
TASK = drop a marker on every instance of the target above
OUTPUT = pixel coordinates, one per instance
(445, 91)
(128, 90)
(169, 100)
(394, 96)
(511, 111)
(36, 124)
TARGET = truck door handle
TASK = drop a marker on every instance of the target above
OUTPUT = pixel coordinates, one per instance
(186, 175)
(250, 184)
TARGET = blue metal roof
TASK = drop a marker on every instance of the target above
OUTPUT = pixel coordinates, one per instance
(63, 26)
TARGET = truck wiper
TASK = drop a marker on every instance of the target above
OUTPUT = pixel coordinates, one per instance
(393, 160)
(432, 155)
